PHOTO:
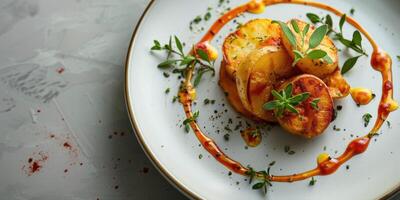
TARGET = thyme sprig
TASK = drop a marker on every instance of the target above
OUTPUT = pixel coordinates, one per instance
(187, 121)
(201, 62)
(315, 39)
(285, 101)
(355, 43)
(263, 176)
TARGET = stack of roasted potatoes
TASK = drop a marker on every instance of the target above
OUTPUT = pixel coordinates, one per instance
(258, 72)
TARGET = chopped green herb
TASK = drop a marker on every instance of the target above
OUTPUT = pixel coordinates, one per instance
(398, 58)
(228, 129)
(272, 163)
(226, 137)
(366, 117)
(207, 16)
(206, 101)
(352, 10)
(200, 156)
(287, 148)
(388, 124)
(291, 152)
(167, 90)
(197, 19)
(174, 99)
(312, 182)
(165, 74)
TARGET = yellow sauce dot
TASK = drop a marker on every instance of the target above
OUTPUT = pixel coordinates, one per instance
(192, 94)
(322, 157)
(361, 96)
(212, 52)
(251, 136)
(256, 7)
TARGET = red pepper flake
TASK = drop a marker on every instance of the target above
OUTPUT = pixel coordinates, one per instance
(38, 110)
(60, 70)
(67, 145)
(116, 187)
(35, 163)
(146, 170)
(122, 133)
(80, 164)
(65, 170)
(115, 133)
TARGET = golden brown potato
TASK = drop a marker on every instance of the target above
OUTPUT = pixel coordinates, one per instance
(338, 86)
(257, 75)
(310, 122)
(250, 36)
(229, 87)
(317, 67)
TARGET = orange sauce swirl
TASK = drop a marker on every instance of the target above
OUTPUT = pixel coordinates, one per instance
(380, 61)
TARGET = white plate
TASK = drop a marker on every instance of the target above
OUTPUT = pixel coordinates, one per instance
(371, 175)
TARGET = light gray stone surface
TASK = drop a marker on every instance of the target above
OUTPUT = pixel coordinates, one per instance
(61, 99)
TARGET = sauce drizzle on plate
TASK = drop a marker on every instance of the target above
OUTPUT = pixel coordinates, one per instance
(326, 165)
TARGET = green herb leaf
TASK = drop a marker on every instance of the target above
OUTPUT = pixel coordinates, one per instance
(167, 64)
(295, 26)
(292, 109)
(312, 182)
(349, 64)
(288, 90)
(314, 103)
(297, 57)
(287, 32)
(317, 36)
(357, 38)
(316, 54)
(329, 22)
(157, 45)
(341, 23)
(258, 185)
(271, 105)
(179, 45)
(187, 60)
(296, 100)
(398, 58)
(277, 95)
(199, 76)
(313, 18)
(203, 55)
(306, 29)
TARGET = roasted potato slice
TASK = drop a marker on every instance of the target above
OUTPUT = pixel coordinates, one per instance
(310, 121)
(338, 86)
(317, 67)
(248, 37)
(257, 75)
(229, 87)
